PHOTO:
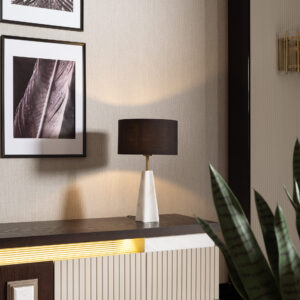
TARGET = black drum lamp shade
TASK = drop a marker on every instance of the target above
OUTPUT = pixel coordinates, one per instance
(148, 137)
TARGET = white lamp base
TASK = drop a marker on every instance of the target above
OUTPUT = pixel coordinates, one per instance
(147, 210)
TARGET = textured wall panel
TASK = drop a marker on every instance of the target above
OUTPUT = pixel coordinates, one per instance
(275, 108)
(190, 274)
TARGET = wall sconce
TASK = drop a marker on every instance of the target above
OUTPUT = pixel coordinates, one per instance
(289, 52)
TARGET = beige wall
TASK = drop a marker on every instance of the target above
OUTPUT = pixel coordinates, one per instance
(162, 59)
(275, 107)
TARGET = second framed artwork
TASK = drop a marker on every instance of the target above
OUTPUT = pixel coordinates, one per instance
(64, 14)
(43, 101)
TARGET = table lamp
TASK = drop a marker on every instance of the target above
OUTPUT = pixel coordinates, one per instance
(148, 137)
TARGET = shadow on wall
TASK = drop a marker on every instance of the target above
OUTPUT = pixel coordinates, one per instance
(73, 206)
(97, 157)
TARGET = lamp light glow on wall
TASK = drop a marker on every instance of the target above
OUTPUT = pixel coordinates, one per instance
(148, 137)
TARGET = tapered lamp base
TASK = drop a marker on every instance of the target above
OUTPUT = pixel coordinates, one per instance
(147, 210)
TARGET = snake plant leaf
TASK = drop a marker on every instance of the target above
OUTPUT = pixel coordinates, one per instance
(295, 204)
(295, 200)
(234, 276)
(266, 220)
(297, 192)
(247, 257)
(298, 220)
(296, 170)
(289, 261)
(290, 198)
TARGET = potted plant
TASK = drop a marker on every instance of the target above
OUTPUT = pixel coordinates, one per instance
(255, 276)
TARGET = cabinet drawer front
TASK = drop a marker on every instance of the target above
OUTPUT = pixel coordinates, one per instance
(43, 272)
(189, 274)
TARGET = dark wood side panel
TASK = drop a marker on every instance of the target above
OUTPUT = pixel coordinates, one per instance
(239, 100)
(44, 272)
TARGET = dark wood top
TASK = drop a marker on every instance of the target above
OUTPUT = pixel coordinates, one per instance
(14, 235)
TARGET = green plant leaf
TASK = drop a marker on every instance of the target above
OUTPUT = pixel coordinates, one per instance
(296, 165)
(234, 276)
(296, 175)
(296, 192)
(289, 261)
(266, 220)
(247, 257)
(298, 220)
(290, 198)
(295, 204)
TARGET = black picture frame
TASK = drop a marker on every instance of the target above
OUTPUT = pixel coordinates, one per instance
(16, 22)
(3, 152)
(239, 101)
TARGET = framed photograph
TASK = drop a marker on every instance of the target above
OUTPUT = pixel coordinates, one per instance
(63, 14)
(43, 100)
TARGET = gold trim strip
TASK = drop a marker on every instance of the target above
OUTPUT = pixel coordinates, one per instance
(278, 53)
(286, 52)
(298, 52)
(12, 256)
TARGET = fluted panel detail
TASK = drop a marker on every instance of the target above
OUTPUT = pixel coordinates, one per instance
(189, 274)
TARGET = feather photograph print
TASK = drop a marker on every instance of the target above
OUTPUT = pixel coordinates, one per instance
(44, 98)
(64, 5)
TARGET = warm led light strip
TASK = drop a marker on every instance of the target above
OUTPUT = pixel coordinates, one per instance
(23, 255)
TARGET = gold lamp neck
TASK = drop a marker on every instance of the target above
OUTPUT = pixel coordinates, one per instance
(147, 162)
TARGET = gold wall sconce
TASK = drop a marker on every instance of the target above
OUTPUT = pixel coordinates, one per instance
(289, 52)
